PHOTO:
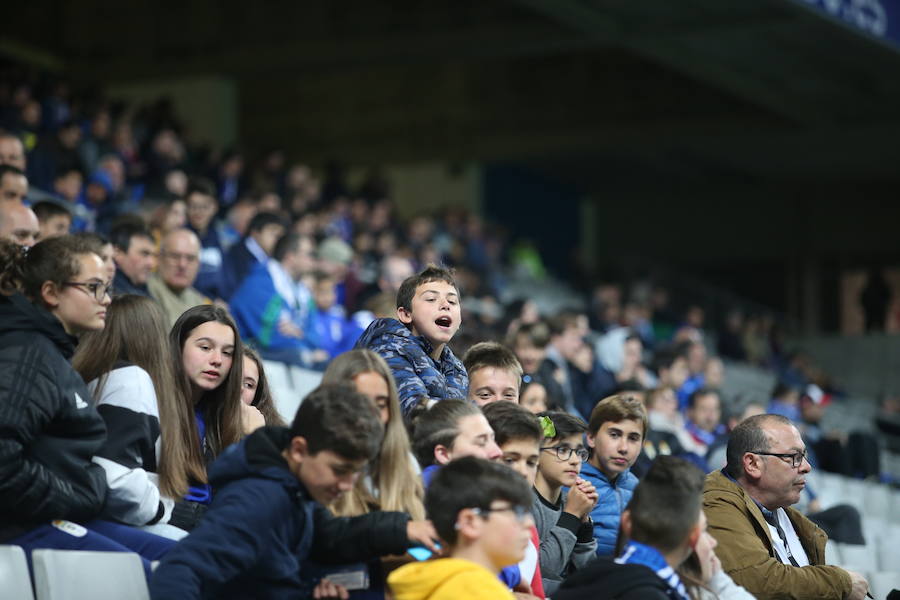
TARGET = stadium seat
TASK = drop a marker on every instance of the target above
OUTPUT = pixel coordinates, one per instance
(882, 582)
(79, 575)
(832, 553)
(14, 579)
(856, 558)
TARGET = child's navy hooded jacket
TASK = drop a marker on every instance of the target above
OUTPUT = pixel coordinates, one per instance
(262, 526)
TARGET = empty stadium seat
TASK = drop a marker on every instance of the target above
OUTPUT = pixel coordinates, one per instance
(80, 575)
(14, 579)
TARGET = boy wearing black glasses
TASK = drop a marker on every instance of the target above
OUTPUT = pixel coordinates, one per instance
(480, 511)
(562, 516)
(616, 434)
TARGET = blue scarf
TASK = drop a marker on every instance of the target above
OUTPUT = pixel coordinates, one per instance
(636, 553)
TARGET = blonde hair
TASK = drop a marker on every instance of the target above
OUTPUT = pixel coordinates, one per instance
(394, 480)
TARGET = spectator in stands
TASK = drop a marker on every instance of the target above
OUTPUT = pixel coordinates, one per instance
(53, 153)
(785, 402)
(19, 224)
(208, 365)
(54, 218)
(103, 248)
(257, 245)
(529, 342)
(632, 370)
(392, 481)
(255, 391)
(730, 344)
(52, 494)
(671, 368)
(392, 272)
(273, 308)
(533, 395)
(12, 151)
(695, 354)
(269, 515)
(135, 257)
(563, 516)
(518, 433)
(172, 284)
(451, 429)
(334, 333)
(494, 373)
(665, 530)
(766, 546)
(415, 344)
(168, 216)
(615, 435)
(480, 511)
(13, 185)
(148, 462)
(704, 419)
(201, 210)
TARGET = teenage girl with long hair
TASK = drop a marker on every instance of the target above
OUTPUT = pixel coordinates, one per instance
(255, 392)
(147, 459)
(207, 354)
(51, 493)
(394, 483)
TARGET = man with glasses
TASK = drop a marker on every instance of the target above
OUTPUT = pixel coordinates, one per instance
(172, 284)
(764, 545)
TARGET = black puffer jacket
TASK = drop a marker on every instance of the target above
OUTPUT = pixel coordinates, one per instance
(49, 429)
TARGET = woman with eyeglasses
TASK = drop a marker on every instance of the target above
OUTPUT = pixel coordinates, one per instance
(128, 368)
(51, 492)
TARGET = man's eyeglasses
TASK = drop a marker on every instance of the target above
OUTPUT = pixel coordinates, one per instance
(565, 452)
(796, 458)
(519, 512)
(97, 289)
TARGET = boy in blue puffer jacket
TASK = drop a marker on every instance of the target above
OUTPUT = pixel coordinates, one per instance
(615, 435)
(414, 345)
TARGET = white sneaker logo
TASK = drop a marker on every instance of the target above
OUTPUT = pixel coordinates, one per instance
(79, 403)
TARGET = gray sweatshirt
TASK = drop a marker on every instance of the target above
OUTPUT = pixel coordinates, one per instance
(567, 544)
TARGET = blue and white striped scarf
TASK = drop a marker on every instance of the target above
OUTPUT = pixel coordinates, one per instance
(636, 553)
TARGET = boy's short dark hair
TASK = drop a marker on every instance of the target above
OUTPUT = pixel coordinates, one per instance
(431, 273)
(287, 244)
(561, 322)
(262, 220)
(439, 425)
(340, 419)
(664, 359)
(127, 229)
(617, 408)
(537, 334)
(566, 425)
(471, 482)
(666, 503)
(699, 393)
(492, 354)
(47, 209)
(511, 421)
(202, 186)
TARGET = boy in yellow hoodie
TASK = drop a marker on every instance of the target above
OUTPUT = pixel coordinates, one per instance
(482, 512)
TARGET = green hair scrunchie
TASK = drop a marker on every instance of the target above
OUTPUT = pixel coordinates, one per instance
(548, 427)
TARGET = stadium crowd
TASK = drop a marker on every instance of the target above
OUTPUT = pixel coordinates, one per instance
(146, 283)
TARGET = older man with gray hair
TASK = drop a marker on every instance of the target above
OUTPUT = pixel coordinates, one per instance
(764, 545)
(172, 284)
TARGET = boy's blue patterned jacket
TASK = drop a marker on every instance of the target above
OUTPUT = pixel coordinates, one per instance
(416, 373)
